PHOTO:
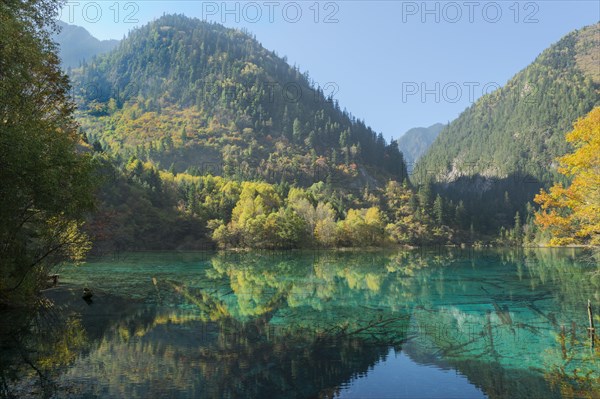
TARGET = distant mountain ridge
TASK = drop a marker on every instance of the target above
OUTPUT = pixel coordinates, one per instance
(76, 45)
(416, 141)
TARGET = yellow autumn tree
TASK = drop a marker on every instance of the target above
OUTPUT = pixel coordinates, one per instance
(572, 214)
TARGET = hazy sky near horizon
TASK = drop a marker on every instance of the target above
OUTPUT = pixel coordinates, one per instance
(395, 64)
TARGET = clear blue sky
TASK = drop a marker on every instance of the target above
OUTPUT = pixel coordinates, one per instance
(381, 56)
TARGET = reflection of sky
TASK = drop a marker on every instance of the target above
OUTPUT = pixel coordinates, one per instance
(400, 377)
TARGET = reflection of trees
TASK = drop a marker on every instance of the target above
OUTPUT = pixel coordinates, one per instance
(573, 273)
(512, 359)
(543, 292)
(319, 280)
(35, 346)
(507, 319)
(300, 324)
(221, 359)
(268, 327)
(573, 366)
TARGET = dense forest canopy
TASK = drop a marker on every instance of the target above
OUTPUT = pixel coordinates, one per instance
(198, 97)
(181, 101)
(198, 125)
(46, 178)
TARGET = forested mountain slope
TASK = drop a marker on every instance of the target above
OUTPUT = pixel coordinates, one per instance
(193, 96)
(520, 128)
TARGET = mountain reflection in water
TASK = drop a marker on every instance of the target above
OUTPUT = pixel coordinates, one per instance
(432, 324)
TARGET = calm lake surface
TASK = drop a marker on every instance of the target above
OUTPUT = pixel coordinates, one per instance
(403, 324)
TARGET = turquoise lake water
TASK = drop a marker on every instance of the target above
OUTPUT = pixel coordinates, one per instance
(387, 324)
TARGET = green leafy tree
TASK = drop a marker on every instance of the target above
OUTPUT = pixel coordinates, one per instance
(517, 233)
(460, 215)
(425, 195)
(438, 210)
(46, 183)
(363, 227)
(325, 231)
(297, 130)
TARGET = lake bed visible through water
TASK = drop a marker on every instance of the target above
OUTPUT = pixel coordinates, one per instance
(304, 324)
